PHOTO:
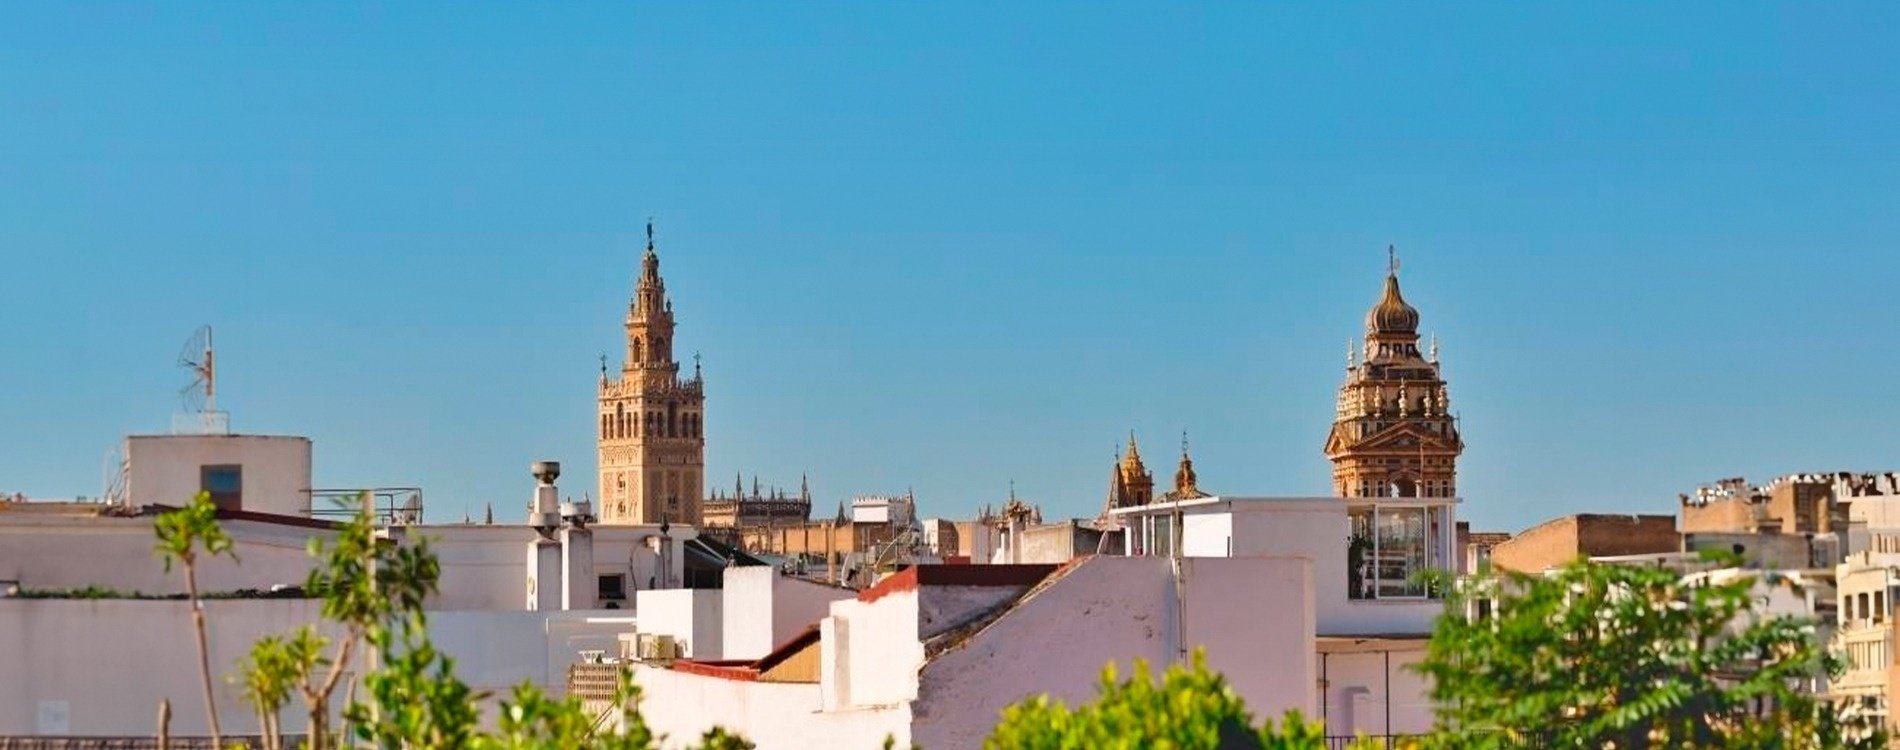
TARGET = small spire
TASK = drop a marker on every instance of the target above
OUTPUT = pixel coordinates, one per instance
(1352, 354)
(603, 366)
(649, 234)
(488, 514)
(1391, 258)
(1184, 444)
(696, 364)
(1434, 352)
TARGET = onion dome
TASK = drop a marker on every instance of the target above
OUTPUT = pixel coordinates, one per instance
(1392, 314)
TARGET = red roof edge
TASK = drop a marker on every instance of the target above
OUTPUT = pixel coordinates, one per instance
(742, 671)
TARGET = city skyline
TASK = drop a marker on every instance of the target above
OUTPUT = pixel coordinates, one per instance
(1652, 255)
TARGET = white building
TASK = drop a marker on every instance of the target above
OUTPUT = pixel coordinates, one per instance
(933, 654)
(96, 662)
(258, 473)
(1285, 594)
(1378, 568)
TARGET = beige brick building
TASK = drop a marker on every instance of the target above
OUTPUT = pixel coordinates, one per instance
(1558, 541)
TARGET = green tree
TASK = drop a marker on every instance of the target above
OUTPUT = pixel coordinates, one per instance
(1191, 708)
(272, 670)
(1597, 656)
(183, 535)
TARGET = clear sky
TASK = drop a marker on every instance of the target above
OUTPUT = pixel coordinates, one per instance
(946, 246)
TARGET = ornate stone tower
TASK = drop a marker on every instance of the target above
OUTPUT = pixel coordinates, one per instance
(651, 448)
(1130, 483)
(1393, 432)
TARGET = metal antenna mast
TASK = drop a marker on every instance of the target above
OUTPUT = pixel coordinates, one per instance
(201, 394)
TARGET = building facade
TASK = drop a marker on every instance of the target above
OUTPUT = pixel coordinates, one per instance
(768, 508)
(1393, 431)
(651, 444)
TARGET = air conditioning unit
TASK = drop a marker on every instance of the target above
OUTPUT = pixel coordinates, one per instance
(656, 647)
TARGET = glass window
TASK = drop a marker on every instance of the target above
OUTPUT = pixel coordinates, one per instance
(1391, 549)
(225, 483)
(1401, 552)
(613, 587)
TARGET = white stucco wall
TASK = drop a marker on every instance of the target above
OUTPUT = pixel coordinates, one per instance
(1208, 535)
(109, 662)
(764, 609)
(51, 551)
(164, 469)
(692, 616)
(880, 652)
(495, 651)
(1254, 617)
(1256, 620)
(1318, 529)
(485, 567)
(1356, 694)
(776, 716)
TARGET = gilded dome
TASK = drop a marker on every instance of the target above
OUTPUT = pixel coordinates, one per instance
(1392, 314)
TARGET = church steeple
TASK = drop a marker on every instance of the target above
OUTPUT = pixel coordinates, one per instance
(1131, 484)
(652, 447)
(1392, 434)
(650, 316)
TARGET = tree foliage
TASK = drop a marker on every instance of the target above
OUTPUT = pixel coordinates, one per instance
(1626, 656)
(1191, 708)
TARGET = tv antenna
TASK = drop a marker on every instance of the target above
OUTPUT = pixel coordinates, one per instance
(200, 396)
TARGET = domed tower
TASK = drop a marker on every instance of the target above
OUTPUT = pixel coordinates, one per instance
(651, 448)
(1393, 431)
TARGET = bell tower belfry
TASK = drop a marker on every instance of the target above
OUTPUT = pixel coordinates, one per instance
(1393, 432)
(651, 448)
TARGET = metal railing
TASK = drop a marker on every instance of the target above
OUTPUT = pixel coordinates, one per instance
(392, 506)
(1380, 741)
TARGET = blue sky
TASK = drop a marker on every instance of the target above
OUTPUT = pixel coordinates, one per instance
(948, 246)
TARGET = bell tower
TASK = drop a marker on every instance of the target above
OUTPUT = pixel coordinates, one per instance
(1130, 483)
(652, 452)
(1393, 431)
